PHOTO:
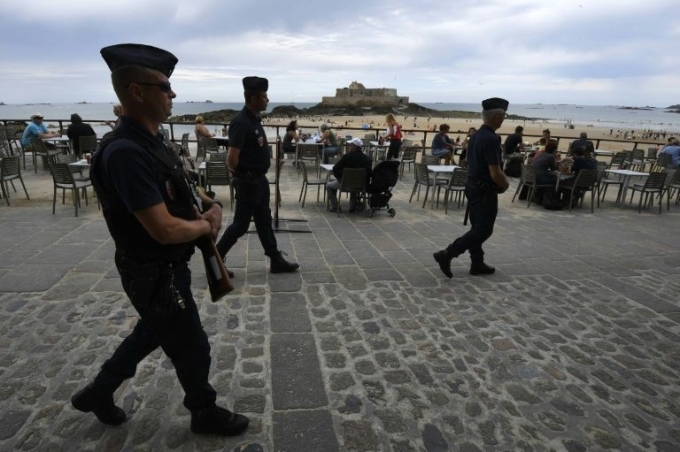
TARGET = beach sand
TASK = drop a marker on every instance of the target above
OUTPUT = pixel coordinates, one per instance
(459, 127)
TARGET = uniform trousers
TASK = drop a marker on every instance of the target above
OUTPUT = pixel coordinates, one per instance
(252, 201)
(483, 209)
(180, 335)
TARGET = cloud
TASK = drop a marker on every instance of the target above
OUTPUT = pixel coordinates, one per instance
(529, 50)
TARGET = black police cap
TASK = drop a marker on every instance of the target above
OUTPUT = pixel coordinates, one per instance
(495, 103)
(120, 55)
(255, 83)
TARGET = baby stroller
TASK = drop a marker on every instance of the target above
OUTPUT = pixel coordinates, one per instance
(385, 177)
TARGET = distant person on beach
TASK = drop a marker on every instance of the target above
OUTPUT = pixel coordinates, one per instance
(155, 220)
(290, 138)
(394, 135)
(485, 181)
(201, 130)
(582, 141)
(249, 160)
(78, 129)
(118, 111)
(36, 129)
(546, 135)
(442, 146)
(330, 141)
(673, 149)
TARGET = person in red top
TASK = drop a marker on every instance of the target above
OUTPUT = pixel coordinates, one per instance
(394, 135)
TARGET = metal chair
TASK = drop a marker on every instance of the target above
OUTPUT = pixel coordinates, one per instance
(455, 186)
(528, 179)
(306, 182)
(71, 158)
(87, 144)
(586, 181)
(10, 169)
(40, 150)
(663, 161)
(354, 182)
(653, 185)
(619, 160)
(672, 181)
(310, 152)
(422, 178)
(218, 157)
(408, 155)
(217, 173)
(63, 178)
(206, 147)
(636, 160)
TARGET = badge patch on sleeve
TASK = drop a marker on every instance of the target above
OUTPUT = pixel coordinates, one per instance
(260, 141)
(170, 189)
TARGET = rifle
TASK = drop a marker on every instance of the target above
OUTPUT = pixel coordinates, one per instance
(218, 279)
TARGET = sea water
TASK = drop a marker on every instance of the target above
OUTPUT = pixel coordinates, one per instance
(607, 116)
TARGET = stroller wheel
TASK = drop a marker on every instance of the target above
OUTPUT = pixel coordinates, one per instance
(392, 212)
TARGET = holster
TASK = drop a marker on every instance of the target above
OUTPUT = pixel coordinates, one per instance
(151, 285)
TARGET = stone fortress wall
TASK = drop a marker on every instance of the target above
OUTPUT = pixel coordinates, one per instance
(356, 95)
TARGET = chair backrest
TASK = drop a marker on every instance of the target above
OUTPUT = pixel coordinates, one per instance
(422, 174)
(430, 160)
(675, 179)
(208, 145)
(309, 151)
(66, 158)
(586, 179)
(664, 160)
(10, 166)
(353, 179)
(369, 137)
(304, 171)
(38, 145)
(185, 141)
(217, 173)
(87, 143)
(619, 159)
(651, 153)
(637, 154)
(218, 157)
(61, 173)
(672, 177)
(655, 181)
(459, 177)
(528, 174)
(409, 153)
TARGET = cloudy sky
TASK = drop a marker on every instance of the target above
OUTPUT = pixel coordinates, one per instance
(593, 52)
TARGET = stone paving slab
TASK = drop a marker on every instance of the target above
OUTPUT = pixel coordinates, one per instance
(571, 346)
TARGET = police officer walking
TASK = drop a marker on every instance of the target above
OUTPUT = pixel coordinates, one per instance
(248, 159)
(485, 181)
(149, 210)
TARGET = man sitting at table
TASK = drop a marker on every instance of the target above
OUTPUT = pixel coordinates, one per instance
(546, 136)
(36, 129)
(673, 149)
(545, 164)
(442, 146)
(354, 158)
(78, 129)
(330, 140)
(581, 162)
(582, 141)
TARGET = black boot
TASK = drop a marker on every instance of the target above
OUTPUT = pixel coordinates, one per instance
(444, 258)
(90, 399)
(280, 265)
(218, 421)
(480, 268)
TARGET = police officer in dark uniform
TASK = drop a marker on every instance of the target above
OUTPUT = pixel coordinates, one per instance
(485, 181)
(248, 159)
(150, 211)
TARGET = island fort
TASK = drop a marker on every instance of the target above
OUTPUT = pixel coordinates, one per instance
(357, 95)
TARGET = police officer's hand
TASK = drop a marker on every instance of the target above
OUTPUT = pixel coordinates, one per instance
(214, 216)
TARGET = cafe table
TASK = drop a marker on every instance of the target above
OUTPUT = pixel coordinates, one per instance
(627, 175)
(445, 169)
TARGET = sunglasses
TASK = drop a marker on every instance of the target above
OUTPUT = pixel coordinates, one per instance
(163, 86)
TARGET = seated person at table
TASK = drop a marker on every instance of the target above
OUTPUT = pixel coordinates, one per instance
(581, 162)
(545, 165)
(673, 149)
(201, 130)
(463, 155)
(582, 141)
(76, 130)
(330, 140)
(546, 136)
(36, 129)
(442, 146)
(290, 136)
(117, 110)
(354, 158)
(513, 143)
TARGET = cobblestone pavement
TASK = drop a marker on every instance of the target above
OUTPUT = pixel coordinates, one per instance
(573, 345)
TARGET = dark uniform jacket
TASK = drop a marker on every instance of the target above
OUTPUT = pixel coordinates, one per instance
(354, 159)
(247, 134)
(131, 171)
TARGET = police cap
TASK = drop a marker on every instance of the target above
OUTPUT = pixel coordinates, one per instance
(495, 103)
(255, 84)
(120, 55)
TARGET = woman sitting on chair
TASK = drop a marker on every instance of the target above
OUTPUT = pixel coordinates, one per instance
(290, 137)
(201, 130)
